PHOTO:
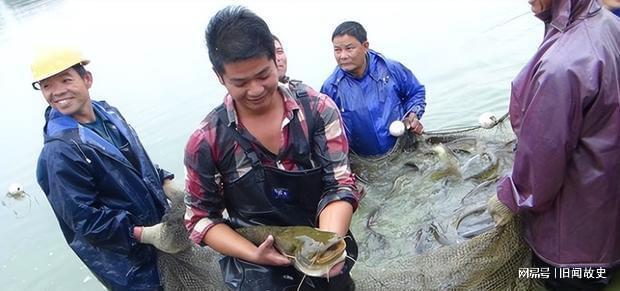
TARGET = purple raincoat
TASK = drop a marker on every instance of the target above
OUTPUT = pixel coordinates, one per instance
(565, 111)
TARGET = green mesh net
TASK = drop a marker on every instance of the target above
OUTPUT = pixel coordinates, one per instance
(422, 223)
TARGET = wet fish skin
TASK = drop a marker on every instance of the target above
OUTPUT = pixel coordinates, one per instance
(314, 251)
(466, 144)
(488, 170)
(448, 163)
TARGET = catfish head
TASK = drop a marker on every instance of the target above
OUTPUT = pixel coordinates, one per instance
(313, 251)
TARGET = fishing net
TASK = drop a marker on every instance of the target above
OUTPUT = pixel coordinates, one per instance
(194, 267)
(490, 261)
(421, 225)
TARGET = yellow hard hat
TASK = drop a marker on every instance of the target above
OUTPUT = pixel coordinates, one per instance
(51, 61)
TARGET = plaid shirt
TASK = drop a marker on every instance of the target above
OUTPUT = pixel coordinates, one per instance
(213, 158)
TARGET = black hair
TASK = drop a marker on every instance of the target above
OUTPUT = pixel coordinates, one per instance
(235, 34)
(351, 28)
(79, 68)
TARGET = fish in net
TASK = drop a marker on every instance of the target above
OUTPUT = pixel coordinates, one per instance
(421, 225)
(194, 267)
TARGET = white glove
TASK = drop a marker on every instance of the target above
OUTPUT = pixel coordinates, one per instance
(171, 190)
(153, 235)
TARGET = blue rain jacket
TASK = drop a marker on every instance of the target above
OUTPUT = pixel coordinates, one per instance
(387, 92)
(98, 196)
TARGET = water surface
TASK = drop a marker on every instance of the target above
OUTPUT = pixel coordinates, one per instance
(149, 60)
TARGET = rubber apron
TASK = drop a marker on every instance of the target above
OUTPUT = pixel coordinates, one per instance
(270, 196)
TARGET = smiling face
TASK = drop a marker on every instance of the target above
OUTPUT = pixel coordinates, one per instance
(252, 83)
(67, 92)
(350, 54)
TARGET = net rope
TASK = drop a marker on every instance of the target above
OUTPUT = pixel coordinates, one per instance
(489, 261)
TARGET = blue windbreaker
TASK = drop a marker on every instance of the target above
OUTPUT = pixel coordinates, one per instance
(98, 197)
(387, 92)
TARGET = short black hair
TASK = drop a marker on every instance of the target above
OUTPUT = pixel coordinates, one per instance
(79, 68)
(235, 34)
(351, 28)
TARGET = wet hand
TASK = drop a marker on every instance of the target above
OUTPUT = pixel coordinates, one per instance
(266, 254)
(413, 123)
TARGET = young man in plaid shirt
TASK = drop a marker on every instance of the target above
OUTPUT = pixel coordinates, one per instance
(268, 156)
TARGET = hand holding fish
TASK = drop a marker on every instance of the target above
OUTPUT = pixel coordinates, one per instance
(266, 254)
(314, 252)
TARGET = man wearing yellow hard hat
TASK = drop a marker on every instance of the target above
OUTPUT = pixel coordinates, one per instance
(106, 193)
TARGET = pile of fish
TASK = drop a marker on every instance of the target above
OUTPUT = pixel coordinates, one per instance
(429, 193)
(421, 225)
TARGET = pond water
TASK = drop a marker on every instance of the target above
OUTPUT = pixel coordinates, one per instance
(150, 61)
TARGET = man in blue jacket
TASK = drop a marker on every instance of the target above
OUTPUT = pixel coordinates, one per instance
(105, 192)
(371, 92)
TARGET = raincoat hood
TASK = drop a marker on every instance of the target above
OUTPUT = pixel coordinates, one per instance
(566, 12)
(565, 112)
(563, 12)
(98, 196)
(387, 91)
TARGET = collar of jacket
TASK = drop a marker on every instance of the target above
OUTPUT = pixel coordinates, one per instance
(566, 12)
(62, 127)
